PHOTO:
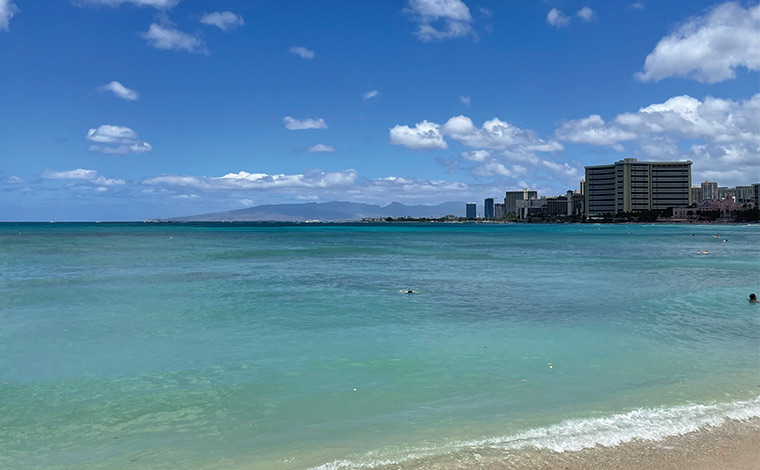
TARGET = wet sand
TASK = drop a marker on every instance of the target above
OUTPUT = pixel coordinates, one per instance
(733, 446)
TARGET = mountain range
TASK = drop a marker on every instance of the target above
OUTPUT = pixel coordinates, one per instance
(327, 211)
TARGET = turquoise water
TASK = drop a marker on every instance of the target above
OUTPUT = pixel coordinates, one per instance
(142, 346)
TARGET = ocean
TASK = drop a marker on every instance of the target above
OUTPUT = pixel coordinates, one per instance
(274, 346)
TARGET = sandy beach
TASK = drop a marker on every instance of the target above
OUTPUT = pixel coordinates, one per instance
(733, 446)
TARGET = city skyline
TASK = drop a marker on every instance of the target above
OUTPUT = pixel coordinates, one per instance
(119, 109)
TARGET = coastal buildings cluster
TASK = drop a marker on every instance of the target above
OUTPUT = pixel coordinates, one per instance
(628, 186)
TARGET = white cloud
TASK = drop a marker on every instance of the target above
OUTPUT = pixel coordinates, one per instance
(717, 134)
(301, 124)
(465, 100)
(116, 140)
(500, 150)
(593, 130)
(303, 52)
(166, 37)
(7, 10)
(371, 94)
(586, 14)
(557, 19)
(635, 6)
(120, 90)
(78, 174)
(440, 19)
(425, 136)
(476, 155)
(224, 20)
(158, 4)
(321, 148)
(81, 174)
(245, 181)
(708, 48)
(497, 134)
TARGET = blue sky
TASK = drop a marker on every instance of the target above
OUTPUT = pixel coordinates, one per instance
(129, 109)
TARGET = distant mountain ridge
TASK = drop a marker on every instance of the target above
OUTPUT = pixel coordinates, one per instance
(334, 211)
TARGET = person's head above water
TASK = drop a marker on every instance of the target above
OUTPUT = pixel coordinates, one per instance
(752, 298)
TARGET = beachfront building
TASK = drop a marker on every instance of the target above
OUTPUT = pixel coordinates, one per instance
(630, 185)
(756, 196)
(582, 189)
(744, 194)
(511, 198)
(709, 190)
(696, 194)
(471, 210)
(498, 211)
(526, 208)
(488, 212)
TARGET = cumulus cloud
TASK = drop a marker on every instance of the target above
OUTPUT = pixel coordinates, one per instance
(557, 19)
(246, 181)
(302, 52)
(301, 124)
(120, 90)
(81, 174)
(493, 134)
(476, 155)
(717, 134)
(708, 48)
(224, 20)
(371, 94)
(500, 149)
(321, 148)
(440, 19)
(424, 136)
(7, 10)
(167, 37)
(586, 14)
(158, 4)
(116, 140)
(594, 131)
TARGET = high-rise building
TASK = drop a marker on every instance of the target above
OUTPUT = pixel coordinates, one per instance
(471, 210)
(696, 194)
(511, 197)
(498, 211)
(582, 187)
(709, 190)
(630, 185)
(744, 194)
(488, 208)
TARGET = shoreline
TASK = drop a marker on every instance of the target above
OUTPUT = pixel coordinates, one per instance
(735, 445)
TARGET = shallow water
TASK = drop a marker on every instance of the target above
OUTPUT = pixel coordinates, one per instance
(226, 346)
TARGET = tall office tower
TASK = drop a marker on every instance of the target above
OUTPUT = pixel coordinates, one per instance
(511, 198)
(744, 194)
(630, 185)
(498, 211)
(488, 208)
(472, 211)
(696, 194)
(709, 190)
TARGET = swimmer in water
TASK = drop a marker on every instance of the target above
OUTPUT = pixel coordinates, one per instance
(753, 299)
(409, 291)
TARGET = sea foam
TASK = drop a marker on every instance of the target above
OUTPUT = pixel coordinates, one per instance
(650, 424)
